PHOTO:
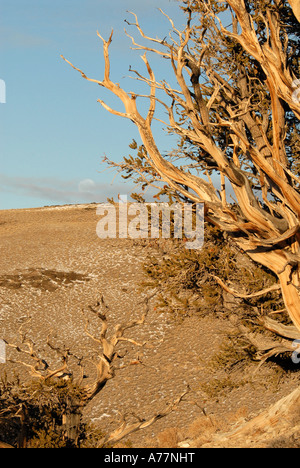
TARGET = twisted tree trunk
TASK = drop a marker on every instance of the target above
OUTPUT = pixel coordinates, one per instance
(236, 120)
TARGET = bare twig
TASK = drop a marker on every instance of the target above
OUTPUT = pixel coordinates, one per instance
(126, 429)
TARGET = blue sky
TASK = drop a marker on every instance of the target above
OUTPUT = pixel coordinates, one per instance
(53, 133)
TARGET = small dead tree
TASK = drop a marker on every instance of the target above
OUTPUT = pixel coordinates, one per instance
(77, 394)
(236, 112)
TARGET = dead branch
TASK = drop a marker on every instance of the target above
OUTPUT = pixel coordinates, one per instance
(108, 347)
(273, 423)
(126, 429)
(287, 331)
(296, 8)
(274, 287)
(4, 445)
(107, 353)
(265, 347)
(229, 108)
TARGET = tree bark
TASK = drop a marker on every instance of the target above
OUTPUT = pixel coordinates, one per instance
(280, 421)
(267, 230)
(295, 4)
(4, 445)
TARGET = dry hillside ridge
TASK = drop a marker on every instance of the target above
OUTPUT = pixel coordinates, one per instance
(53, 264)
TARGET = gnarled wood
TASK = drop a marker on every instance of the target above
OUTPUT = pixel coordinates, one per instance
(276, 422)
(251, 153)
(126, 429)
(4, 445)
(71, 412)
(296, 8)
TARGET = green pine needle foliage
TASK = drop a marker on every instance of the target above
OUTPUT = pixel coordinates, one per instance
(186, 283)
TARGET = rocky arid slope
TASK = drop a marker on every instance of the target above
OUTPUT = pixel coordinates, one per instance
(53, 266)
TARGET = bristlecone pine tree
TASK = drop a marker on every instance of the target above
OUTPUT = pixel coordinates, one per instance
(236, 110)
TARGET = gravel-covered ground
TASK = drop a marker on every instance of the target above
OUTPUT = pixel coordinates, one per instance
(53, 265)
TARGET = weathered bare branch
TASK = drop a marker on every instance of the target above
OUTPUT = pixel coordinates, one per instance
(296, 8)
(235, 117)
(107, 353)
(287, 331)
(126, 429)
(275, 287)
(275, 422)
